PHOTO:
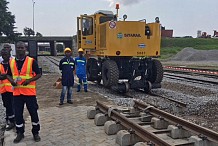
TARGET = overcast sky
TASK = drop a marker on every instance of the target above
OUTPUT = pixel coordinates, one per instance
(58, 17)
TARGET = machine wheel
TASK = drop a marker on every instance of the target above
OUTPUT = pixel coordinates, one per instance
(110, 73)
(157, 72)
(92, 69)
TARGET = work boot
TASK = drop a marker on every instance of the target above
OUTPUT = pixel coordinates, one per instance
(70, 102)
(18, 138)
(61, 103)
(9, 126)
(36, 137)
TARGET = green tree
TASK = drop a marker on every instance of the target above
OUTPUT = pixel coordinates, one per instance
(28, 32)
(7, 21)
(60, 48)
(38, 34)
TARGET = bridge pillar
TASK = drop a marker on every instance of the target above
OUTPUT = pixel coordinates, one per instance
(33, 49)
(53, 48)
(68, 44)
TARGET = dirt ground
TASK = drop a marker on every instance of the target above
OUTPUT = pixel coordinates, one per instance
(48, 96)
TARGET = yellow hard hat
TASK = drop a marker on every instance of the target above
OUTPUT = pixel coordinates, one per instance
(67, 49)
(80, 50)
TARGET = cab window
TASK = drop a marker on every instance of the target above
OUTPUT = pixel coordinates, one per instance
(87, 23)
(105, 19)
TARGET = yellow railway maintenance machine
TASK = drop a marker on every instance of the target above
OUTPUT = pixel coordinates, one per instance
(121, 50)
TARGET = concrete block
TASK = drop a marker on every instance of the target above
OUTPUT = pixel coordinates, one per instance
(100, 119)
(200, 142)
(111, 128)
(133, 110)
(159, 123)
(145, 118)
(177, 132)
(124, 138)
(141, 144)
(92, 112)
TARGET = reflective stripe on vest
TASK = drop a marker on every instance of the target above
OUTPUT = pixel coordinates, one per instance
(19, 126)
(25, 73)
(5, 85)
(80, 61)
(71, 63)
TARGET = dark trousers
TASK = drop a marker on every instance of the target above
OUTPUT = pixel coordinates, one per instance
(82, 79)
(32, 107)
(7, 99)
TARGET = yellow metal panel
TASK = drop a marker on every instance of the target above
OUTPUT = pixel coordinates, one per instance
(103, 36)
(129, 38)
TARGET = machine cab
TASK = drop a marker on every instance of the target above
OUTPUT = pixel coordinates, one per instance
(85, 32)
(87, 28)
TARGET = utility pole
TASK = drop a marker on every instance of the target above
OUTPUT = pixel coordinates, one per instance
(33, 14)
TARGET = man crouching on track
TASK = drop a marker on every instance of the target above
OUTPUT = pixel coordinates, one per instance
(6, 89)
(67, 66)
(22, 73)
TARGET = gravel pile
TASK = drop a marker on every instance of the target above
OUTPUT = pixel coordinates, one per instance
(190, 54)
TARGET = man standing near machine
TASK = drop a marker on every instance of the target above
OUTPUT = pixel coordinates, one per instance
(81, 70)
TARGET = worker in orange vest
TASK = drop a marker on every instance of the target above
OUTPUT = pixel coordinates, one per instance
(22, 74)
(6, 89)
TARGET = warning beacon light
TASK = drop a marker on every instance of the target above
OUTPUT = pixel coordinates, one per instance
(117, 6)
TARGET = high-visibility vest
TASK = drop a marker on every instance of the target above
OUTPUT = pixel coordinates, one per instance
(26, 72)
(5, 85)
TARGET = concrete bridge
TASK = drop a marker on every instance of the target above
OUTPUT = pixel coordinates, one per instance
(32, 43)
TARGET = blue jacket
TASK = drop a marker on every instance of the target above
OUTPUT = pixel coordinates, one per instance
(80, 65)
(67, 66)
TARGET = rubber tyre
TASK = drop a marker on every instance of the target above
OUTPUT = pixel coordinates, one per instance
(157, 72)
(91, 64)
(110, 73)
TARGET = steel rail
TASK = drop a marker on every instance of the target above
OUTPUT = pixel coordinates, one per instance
(191, 73)
(183, 104)
(190, 78)
(52, 60)
(211, 135)
(187, 69)
(137, 129)
(170, 99)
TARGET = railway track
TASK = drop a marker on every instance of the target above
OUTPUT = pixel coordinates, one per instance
(188, 78)
(128, 95)
(179, 103)
(192, 71)
(55, 61)
(145, 123)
